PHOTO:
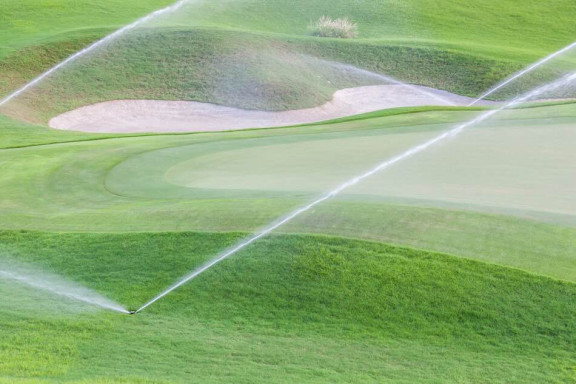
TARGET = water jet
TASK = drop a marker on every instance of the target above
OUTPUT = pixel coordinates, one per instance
(56, 285)
(564, 81)
(523, 72)
(92, 47)
(385, 78)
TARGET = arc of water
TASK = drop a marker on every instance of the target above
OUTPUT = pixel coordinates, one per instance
(386, 164)
(68, 292)
(523, 72)
(386, 78)
(92, 47)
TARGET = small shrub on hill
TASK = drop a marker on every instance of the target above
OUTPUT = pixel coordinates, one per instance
(342, 28)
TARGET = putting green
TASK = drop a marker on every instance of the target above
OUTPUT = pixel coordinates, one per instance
(121, 185)
(476, 170)
(316, 302)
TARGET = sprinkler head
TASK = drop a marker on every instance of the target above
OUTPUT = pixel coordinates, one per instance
(132, 312)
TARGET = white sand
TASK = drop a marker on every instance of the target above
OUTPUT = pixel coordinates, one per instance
(126, 116)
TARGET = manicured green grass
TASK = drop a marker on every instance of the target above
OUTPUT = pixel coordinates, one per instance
(15, 134)
(121, 184)
(489, 23)
(475, 169)
(127, 216)
(528, 26)
(201, 52)
(206, 65)
(289, 309)
(35, 35)
(210, 65)
(32, 22)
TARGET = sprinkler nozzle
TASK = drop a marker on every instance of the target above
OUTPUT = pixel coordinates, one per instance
(132, 312)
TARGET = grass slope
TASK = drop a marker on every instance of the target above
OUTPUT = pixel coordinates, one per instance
(530, 26)
(289, 309)
(30, 22)
(120, 185)
(489, 23)
(35, 36)
(200, 52)
(296, 308)
(211, 65)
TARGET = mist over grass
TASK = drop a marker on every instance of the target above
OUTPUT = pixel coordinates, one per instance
(127, 216)
(121, 184)
(197, 53)
(50, 284)
(384, 312)
(244, 70)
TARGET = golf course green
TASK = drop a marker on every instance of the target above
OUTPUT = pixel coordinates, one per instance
(457, 265)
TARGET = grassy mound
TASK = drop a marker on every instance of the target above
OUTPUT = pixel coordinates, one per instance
(201, 52)
(183, 183)
(245, 70)
(289, 309)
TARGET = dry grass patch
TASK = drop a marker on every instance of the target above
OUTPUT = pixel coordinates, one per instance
(342, 28)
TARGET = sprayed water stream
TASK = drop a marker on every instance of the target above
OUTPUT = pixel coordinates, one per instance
(566, 80)
(92, 47)
(384, 78)
(94, 299)
(523, 72)
(57, 286)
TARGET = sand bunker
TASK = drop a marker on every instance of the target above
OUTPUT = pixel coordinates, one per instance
(127, 116)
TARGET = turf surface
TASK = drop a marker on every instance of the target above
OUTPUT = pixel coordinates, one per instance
(127, 216)
(300, 308)
(199, 52)
(127, 184)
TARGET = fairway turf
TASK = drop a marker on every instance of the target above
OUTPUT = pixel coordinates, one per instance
(456, 266)
(132, 184)
(294, 308)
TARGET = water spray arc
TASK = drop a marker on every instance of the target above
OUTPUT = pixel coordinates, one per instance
(524, 72)
(91, 47)
(386, 164)
(385, 78)
(62, 289)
